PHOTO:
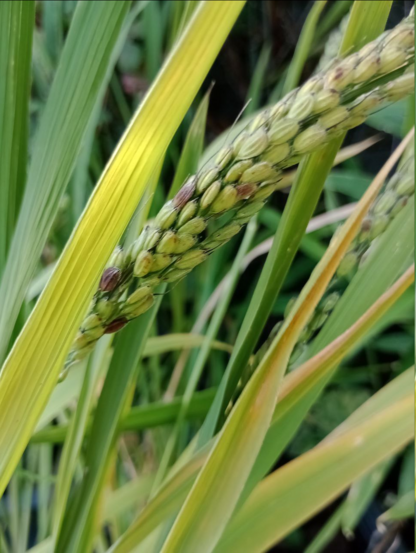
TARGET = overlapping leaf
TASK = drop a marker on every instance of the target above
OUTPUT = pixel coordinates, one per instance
(31, 370)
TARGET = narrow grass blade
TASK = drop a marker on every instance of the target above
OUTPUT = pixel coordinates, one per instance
(53, 25)
(390, 257)
(326, 533)
(153, 36)
(407, 472)
(303, 47)
(14, 516)
(31, 370)
(174, 342)
(17, 19)
(44, 490)
(361, 494)
(257, 82)
(202, 358)
(80, 515)
(75, 436)
(192, 148)
(57, 144)
(141, 417)
(292, 494)
(404, 508)
(78, 185)
(26, 500)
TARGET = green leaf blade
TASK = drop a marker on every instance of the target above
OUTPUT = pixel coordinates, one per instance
(44, 342)
(64, 121)
(301, 488)
(16, 28)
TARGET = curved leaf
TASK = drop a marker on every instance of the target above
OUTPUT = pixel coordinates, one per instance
(31, 370)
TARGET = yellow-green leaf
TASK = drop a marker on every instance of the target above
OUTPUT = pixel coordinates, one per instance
(292, 494)
(31, 370)
(77, 83)
(301, 387)
(404, 508)
(222, 479)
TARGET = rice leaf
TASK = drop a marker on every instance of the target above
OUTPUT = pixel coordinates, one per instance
(141, 417)
(75, 436)
(31, 370)
(361, 494)
(292, 494)
(82, 67)
(193, 146)
(80, 515)
(402, 509)
(17, 20)
(257, 82)
(390, 257)
(53, 25)
(172, 493)
(79, 182)
(303, 47)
